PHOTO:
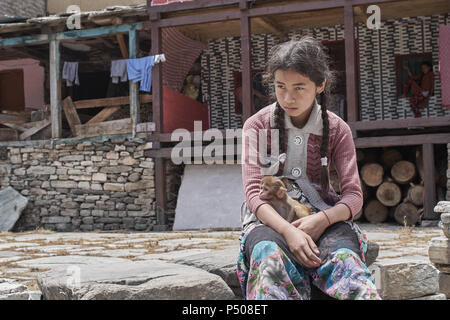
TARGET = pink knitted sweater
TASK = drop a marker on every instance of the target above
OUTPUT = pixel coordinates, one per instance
(341, 152)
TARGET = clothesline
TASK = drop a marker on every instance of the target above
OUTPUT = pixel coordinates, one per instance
(135, 69)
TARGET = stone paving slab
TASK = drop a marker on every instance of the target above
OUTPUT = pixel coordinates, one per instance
(26, 256)
(143, 280)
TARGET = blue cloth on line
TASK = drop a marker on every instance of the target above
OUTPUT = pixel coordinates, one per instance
(140, 69)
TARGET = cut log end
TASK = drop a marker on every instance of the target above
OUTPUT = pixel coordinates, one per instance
(403, 172)
(389, 194)
(372, 174)
(407, 214)
(376, 212)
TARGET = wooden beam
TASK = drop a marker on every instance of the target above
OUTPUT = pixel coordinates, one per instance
(122, 45)
(400, 123)
(24, 40)
(134, 89)
(271, 26)
(191, 5)
(107, 43)
(71, 114)
(14, 126)
(103, 115)
(98, 32)
(158, 119)
(107, 128)
(350, 61)
(201, 18)
(12, 118)
(109, 102)
(247, 87)
(429, 182)
(234, 14)
(55, 87)
(157, 78)
(41, 125)
(407, 140)
(160, 191)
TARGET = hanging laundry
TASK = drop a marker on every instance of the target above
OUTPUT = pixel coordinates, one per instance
(70, 73)
(160, 58)
(119, 70)
(140, 69)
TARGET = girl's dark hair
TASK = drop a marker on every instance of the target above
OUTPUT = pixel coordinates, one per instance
(308, 57)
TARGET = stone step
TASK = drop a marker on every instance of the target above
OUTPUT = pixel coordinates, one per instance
(439, 251)
(132, 280)
(14, 290)
(404, 280)
(444, 283)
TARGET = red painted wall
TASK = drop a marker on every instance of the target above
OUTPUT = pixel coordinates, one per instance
(181, 111)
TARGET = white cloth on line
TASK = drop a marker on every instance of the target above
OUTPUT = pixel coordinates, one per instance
(119, 70)
(160, 58)
(70, 73)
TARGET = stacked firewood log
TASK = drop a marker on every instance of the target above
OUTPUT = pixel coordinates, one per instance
(392, 184)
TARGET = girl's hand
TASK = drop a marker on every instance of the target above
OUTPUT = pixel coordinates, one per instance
(303, 247)
(314, 225)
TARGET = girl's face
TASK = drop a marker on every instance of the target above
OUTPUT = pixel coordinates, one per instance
(295, 93)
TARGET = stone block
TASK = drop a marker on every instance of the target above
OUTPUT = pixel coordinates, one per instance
(146, 280)
(63, 184)
(444, 284)
(140, 185)
(114, 187)
(442, 207)
(404, 280)
(127, 161)
(439, 251)
(72, 158)
(56, 219)
(112, 155)
(12, 203)
(437, 296)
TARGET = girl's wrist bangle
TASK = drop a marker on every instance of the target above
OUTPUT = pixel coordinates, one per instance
(326, 216)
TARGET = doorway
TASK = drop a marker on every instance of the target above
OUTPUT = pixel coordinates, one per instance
(12, 94)
(336, 101)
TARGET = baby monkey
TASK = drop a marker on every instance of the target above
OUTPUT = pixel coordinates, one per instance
(274, 190)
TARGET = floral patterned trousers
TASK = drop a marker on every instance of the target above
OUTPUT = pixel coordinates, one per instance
(268, 270)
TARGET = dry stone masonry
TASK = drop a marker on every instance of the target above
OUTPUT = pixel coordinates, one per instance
(439, 249)
(447, 196)
(83, 185)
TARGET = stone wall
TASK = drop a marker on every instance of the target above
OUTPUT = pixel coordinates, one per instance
(174, 174)
(82, 185)
(23, 8)
(447, 196)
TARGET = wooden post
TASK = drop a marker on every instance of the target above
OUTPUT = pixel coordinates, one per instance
(134, 88)
(157, 103)
(55, 87)
(429, 182)
(247, 88)
(349, 32)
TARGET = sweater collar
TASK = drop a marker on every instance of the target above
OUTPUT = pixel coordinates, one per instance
(314, 124)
